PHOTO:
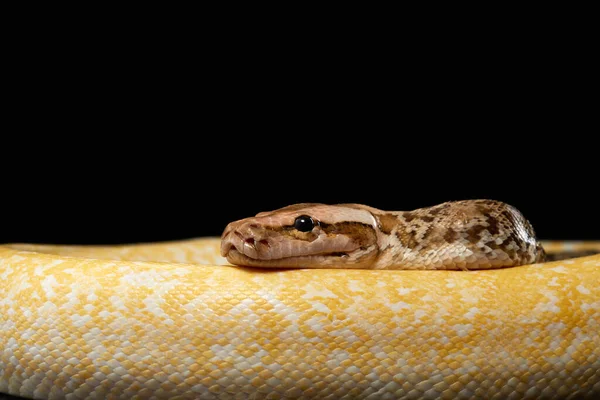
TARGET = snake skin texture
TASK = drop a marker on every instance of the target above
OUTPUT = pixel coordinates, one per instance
(175, 321)
(456, 235)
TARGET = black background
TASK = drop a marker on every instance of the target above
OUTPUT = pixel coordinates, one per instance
(189, 187)
(130, 147)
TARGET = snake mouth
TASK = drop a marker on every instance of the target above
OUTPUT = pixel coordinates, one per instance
(305, 261)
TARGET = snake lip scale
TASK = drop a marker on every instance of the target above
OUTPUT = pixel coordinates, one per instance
(461, 235)
(238, 257)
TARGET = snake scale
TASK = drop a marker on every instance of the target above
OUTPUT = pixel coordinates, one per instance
(454, 301)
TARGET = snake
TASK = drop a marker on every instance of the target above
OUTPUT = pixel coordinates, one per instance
(310, 301)
(469, 234)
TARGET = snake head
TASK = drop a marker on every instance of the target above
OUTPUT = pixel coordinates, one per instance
(306, 235)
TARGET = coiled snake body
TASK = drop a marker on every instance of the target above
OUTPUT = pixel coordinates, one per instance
(177, 321)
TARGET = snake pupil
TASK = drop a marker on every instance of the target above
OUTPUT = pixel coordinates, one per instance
(304, 223)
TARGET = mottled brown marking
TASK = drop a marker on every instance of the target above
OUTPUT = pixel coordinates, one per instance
(451, 235)
(434, 236)
(430, 233)
(413, 242)
(493, 245)
(409, 216)
(493, 225)
(400, 234)
(473, 233)
(512, 253)
(387, 222)
(427, 218)
(363, 234)
(408, 238)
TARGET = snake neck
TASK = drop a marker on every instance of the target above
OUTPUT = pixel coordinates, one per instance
(395, 237)
(464, 235)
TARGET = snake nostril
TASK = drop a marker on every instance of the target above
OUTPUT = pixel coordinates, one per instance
(264, 242)
(250, 241)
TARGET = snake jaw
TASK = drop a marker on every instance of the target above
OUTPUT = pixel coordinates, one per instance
(263, 250)
(338, 260)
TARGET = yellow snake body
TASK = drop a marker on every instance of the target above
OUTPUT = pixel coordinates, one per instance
(174, 321)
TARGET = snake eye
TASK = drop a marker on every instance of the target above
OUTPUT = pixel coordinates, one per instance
(304, 223)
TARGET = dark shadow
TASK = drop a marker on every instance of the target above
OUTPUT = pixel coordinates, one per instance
(9, 397)
(565, 255)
